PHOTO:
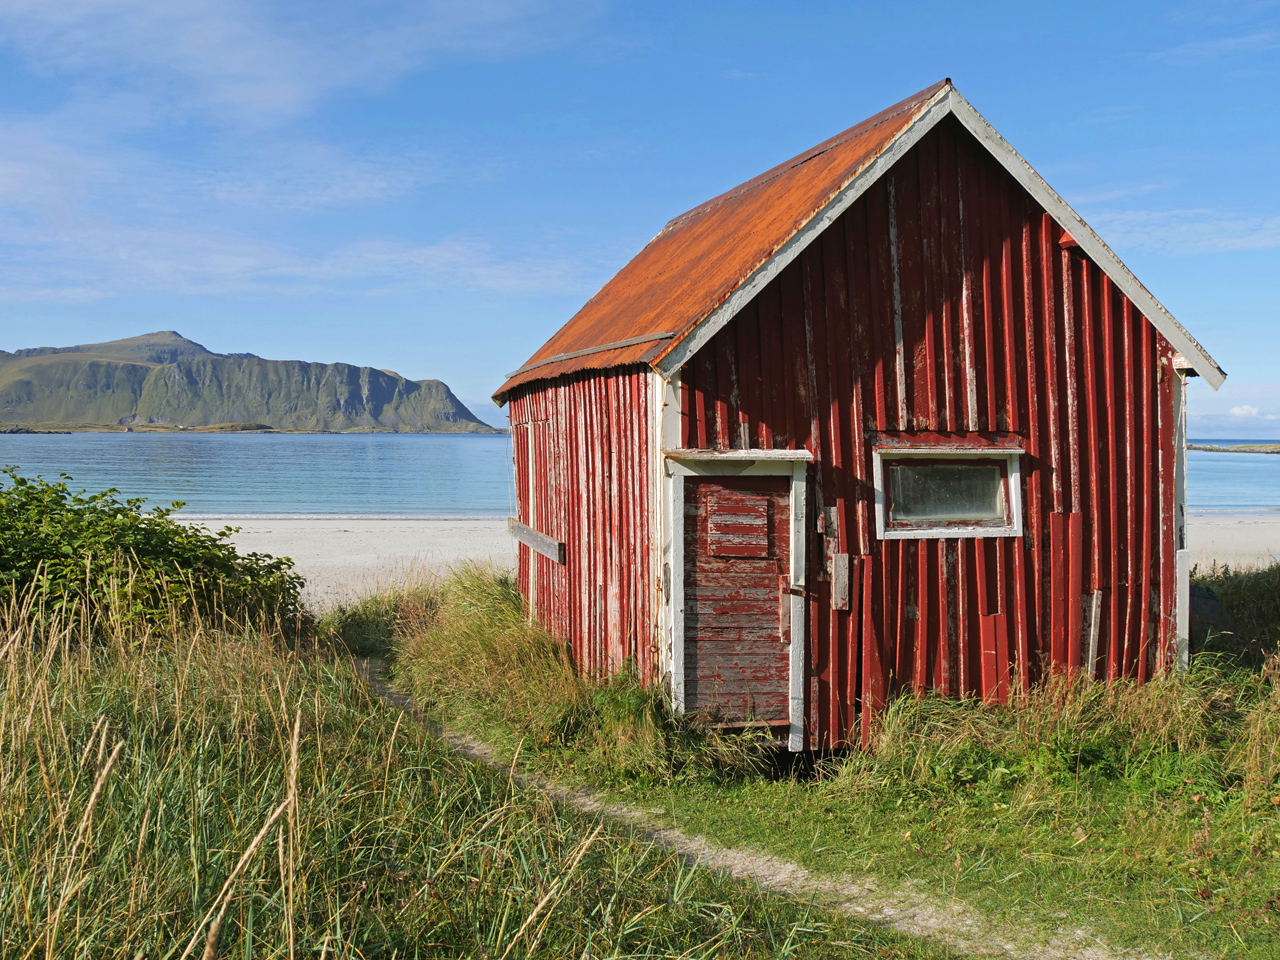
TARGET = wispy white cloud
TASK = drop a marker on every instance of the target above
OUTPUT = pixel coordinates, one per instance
(1119, 192)
(257, 63)
(1248, 412)
(1186, 231)
(86, 212)
(105, 260)
(1241, 409)
(304, 175)
(1203, 51)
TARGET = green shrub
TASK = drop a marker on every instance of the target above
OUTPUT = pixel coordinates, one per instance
(62, 551)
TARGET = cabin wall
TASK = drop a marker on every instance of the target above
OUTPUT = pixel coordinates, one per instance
(946, 301)
(584, 445)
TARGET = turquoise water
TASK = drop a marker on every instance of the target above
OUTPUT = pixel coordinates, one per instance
(256, 475)
(1223, 482)
(409, 474)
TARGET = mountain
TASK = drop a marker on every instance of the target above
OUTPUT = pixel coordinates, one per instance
(164, 378)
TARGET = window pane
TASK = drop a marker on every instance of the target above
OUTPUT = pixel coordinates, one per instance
(946, 491)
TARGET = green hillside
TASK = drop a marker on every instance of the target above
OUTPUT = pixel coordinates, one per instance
(164, 378)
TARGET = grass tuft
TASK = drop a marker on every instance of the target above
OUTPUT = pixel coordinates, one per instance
(477, 657)
(1149, 815)
(1252, 596)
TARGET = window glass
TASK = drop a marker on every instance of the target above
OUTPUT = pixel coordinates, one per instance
(946, 492)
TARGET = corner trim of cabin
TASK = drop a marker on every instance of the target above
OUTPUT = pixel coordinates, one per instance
(670, 608)
(549, 547)
(1182, 556)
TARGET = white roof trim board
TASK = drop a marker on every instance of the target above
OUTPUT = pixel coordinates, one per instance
(949, 102)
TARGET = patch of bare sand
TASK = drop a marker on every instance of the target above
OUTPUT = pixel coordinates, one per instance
(1235, 539)
(344, 559)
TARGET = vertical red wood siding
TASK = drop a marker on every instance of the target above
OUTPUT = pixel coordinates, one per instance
(945, 300)
(584, 452)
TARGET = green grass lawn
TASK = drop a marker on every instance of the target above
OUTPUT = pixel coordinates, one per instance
(1147, 815)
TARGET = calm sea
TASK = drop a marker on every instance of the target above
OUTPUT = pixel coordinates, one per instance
(1222, 482)
(257, 475)
(409, 475)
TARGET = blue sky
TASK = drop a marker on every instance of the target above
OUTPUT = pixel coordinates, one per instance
(435, 187)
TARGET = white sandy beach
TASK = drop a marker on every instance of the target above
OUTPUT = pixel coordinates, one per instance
(345, 558)
(1237, 539)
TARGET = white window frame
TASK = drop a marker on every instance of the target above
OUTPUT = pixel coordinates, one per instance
(1010, 456)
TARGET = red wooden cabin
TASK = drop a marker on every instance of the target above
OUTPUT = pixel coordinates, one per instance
(888, 417)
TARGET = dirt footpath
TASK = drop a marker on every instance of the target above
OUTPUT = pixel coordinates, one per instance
(906, 909)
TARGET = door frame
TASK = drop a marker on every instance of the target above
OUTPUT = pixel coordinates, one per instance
(681, 463)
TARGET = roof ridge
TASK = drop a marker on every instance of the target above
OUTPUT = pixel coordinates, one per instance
(884, 116)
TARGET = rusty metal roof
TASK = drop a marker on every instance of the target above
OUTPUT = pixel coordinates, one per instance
(702, 256)
(651, 309)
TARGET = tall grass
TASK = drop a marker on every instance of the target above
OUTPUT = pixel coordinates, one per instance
(474, 654)
(1215, 727)
(1148, 813)
(1252, 596)
(217, 793)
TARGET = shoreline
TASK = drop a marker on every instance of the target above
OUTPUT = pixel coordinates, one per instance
(225, 429)
(1240, 538)
(1236, 447)
(345, 557)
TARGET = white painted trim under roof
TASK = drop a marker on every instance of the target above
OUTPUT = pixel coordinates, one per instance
(928, 115)
(1090, 242)
(948, 101)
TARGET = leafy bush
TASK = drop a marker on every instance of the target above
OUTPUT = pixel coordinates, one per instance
(61, 550)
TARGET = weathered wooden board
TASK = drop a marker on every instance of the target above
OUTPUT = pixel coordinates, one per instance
(584, 454)
(737, 554)
(549, 547)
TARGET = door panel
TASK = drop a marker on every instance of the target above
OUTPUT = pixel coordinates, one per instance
(737, 555)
